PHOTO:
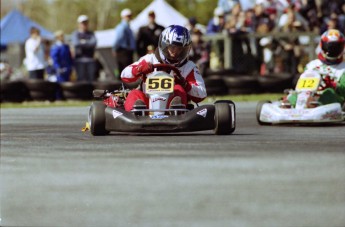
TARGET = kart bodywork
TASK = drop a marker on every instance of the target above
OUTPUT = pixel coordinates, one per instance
(307, 108)
(108, 114)
(219, 117)
(273, 113)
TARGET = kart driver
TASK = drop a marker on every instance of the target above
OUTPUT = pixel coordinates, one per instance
(330, 63)
(173, 48)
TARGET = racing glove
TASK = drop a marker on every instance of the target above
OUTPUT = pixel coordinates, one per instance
(183, 82)
(329, 82)
(142, 68)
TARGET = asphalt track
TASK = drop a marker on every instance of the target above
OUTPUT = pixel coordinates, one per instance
(52, 174)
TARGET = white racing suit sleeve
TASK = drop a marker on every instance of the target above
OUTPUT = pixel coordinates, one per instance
(197, 91)
(126, 74)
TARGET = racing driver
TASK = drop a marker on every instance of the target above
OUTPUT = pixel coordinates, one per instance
(173, 49)
(330, 63)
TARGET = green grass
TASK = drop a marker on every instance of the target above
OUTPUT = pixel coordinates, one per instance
(210, 99)
(38, 104)
(245, 98)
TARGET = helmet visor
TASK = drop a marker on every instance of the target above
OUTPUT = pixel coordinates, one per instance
(333, 49)
(175, 53)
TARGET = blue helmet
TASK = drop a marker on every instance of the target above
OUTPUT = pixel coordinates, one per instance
(174, 44)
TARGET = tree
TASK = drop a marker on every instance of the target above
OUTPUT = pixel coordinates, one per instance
(104, 14)
(202, 10)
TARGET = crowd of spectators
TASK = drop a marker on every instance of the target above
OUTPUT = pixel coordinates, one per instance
(57, 60)
(233, 17)
(269, 16)
(309, 15)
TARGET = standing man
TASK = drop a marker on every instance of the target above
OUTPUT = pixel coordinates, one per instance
(62, 59)
(148, 36)
(124, 45)
(34, 51)
(84, 44)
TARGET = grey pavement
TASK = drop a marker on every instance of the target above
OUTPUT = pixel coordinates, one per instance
(52, 174)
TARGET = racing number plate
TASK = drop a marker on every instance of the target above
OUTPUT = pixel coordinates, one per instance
(307, 84)
(159, 84)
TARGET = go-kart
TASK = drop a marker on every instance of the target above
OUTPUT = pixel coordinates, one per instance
(307, 109)
(107, 113)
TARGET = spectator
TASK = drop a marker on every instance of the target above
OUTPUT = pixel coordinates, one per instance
(191, 24)
(261, 18)
(267, 50)
(341, 17)
(62, 59)
(234, 21)
(34, 51)
(290, 18)
(199, 52)
(84, 44)
(148, 36)
(5, 71)
(262, 24)
(275, 6)
(241, 50)
(291, 47)
(331, 23)
(124, 45)
(217, 23)
(330, 6)
(227, 5)
(309, 11)
(249, 20)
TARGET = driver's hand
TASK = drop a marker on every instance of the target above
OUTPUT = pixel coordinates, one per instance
(329, 82)
(143, 67)
(183, 82)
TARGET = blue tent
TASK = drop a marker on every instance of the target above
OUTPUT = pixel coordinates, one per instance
(15, 28)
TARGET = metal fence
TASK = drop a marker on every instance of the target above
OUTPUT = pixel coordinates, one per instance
(248, 52)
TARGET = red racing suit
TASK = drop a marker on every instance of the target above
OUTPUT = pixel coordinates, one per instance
(195, 89)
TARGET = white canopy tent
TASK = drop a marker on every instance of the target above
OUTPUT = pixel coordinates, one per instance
(165, 15)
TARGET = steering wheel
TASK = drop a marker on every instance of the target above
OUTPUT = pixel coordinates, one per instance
(169, 67)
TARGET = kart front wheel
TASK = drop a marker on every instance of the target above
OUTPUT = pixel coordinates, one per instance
(258, 111)
(225, 117)
(97, 119)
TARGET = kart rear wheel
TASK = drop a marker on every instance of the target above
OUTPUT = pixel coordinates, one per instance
(224, 117)
(97, 119)
(258, 112)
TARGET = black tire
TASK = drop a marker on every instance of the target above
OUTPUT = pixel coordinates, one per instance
(97, 119)
(221, 72)
(258, 111)
(72, 95)
(13, 91)
(215, 86)
(41, 96)
(242, 84)
(224, 117)
(42, 90)
(77, 90)
(107, 85)
(216, 91)
(276, 82)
